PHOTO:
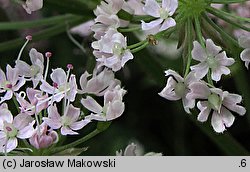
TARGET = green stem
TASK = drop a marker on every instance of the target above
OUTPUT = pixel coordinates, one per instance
(198, 31)
(129, 29)
(35, 23)
(221, 31)
(135, 50)
(209, 79)
(227, 1)
(189, 33)
(231, 15)
(224, 17)
(75, 143)
(76, 42)
(136, 44)
(16, 104)
(47, 33)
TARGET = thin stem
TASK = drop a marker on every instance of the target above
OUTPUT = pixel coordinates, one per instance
(223, 17)
(135, 50)
(198, 31)
(35, 23)
(75, 143)
(189, 34)
(21, 51)
(129, 29)
(136, 44)
(209, 79)
(76, 42)
(16, 103)
(231, 15)
(221, 31)
(227, 1)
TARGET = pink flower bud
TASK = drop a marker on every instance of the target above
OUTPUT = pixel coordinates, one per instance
(70, 66)
(48, 54)
(29, 37)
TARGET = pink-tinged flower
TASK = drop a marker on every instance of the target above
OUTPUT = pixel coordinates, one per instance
(10, 129)
(36, 101)
(10, 83)
(61, 87)
(178, 87)
(32, 5)
(99, 83)
(68, 123)
(111, 50)
(133, 150)
(212, 57)
(219, 102)
(112, 109)
(162, 13)
(43, 138)
(33, 71)
(244, 42)
(106, 16)
(137, 6)
(83, 29)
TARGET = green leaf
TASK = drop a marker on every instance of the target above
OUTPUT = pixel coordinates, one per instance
(35, 23)
(45, 34)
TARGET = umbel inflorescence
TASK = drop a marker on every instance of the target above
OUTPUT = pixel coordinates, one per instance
(208, 53)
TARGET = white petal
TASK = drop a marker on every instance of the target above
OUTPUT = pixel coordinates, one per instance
(200, 70)
(22, 120)
(73, 113)
(217, 122)
(177, 76)
(11, 144)
(170, 5)
(46, 87)
(224, 60)
(151, 25)
(188, 104)
(2, 76)
(152, 8)
(204, 111)
(216, 74)
(168, 92)
(169, 22)
(67, 131)
(126, 57)
(244, 41)
(245, 56)
(35, 55)
(7, 96)
(227, 117)
(115, 110)
(26, 132)
(58, 76)
(199, 90)
(212, 49)
(198, 53)
(79, 124)
(91, 105)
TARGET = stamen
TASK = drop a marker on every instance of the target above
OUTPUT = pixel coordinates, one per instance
(28, 38)
(48, 55)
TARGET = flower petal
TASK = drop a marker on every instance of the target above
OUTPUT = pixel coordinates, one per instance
(151, 25)
(79, 124)
(199, 90)
(152, 8)
(91, 105)
(59, 76)
(67, 131)
(217, 122)
(200, 70)
(168, 92)
(212, 49)
(198, 53)
(204, 111)
(169, 22)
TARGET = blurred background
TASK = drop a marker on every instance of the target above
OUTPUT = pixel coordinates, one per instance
(152, 122)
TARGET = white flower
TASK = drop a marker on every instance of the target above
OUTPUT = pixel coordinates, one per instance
(218, 101)
(61, 86)
(34, 71)
(163, 14)
(68, 123)
(106, 16)
(210, 58)
(111, 50)
(32, 5)
(112, 109)
(178, 87)
(10, 129)
(244, 42)
(10, 83)
(99, 83)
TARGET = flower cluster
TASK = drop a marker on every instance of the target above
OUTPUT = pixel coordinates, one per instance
(38, 117)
